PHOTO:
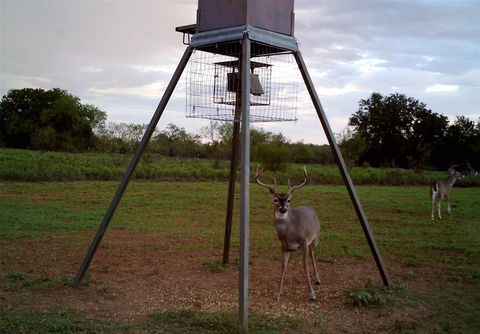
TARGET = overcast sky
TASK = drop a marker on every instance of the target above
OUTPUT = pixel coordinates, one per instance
(119, 55)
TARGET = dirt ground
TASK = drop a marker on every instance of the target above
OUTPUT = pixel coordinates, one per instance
(136, 274)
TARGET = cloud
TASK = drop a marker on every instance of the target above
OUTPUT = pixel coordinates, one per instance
(153, 90)
(368, 65)
(20, 81)
(334, 91)
(440, 88)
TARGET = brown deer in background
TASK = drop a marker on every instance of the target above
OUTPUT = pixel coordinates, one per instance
(297, 228)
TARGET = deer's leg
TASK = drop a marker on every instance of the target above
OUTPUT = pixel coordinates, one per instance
(305, 268)
(434, 196)
(439, 207)
(449, 209)
(286, 259)
(312, 256)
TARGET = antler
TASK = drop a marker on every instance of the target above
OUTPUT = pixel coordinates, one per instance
(291, 189)
(470, 169)
(259, 172)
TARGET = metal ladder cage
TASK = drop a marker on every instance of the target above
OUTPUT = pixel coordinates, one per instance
(213, 83)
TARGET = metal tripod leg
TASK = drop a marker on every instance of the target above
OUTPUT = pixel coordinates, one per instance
(231, 189)
(245, 186)
(343, 168)
(131, 168)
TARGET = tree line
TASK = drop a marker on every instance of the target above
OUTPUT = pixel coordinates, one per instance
(391, 131)
(55, 120)
(400, 131)
(214, 142)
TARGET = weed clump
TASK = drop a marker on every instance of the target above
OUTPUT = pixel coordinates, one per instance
(214, 266)
(368, 295)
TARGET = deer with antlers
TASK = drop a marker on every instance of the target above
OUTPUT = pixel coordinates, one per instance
(297, 228)
(441, 189)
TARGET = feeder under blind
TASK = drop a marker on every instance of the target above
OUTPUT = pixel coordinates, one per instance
(213, 86)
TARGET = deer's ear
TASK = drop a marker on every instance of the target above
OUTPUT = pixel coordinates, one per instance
(271, 191)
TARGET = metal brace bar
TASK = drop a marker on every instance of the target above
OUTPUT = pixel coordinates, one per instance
(131, 168)
(343, 168)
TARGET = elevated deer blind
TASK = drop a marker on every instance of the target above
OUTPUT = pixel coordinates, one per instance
(244, 59)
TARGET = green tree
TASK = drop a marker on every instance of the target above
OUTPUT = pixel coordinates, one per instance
(20, 112)
(270, 149)
(67, 124)
(393, 129)
(120, 137)
(352, 145)
(51, 120)
(213, 135)
(176, 141)
(462, 143)
(273, 157)
(323, 154)
(301, 153)
(428, 134)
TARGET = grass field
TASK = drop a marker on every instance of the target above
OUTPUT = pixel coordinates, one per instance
(165, 242)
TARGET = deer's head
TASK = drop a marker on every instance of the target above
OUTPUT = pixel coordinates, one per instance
(281, 201)
(454, 173)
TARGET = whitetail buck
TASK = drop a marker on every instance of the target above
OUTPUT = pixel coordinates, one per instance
(441, 189)
(297, 228)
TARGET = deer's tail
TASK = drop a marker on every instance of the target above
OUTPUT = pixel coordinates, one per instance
(433, 189)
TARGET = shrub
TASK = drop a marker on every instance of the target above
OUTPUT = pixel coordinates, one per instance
(368, 295)
(273, 157)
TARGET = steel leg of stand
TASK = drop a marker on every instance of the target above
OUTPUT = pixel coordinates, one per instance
(131, 168)
(343, 168)
(245, 186)
(231, 192)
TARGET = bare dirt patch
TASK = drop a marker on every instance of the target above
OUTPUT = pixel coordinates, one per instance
(137, 274)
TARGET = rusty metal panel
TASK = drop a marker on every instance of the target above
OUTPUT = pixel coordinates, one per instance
(273, 15)
(215, 14)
